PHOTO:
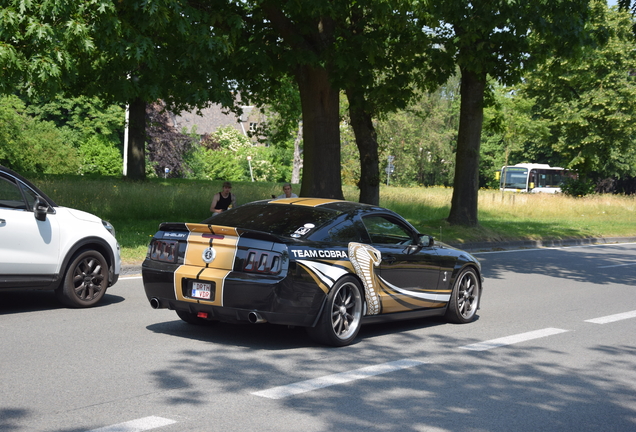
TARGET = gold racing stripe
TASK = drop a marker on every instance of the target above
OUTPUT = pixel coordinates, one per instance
(309, 202)
(393, 301)
(392, 304)
(345, 264)
(224, 240)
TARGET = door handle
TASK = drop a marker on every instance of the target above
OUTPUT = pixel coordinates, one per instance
(2, 221)
(389, 259)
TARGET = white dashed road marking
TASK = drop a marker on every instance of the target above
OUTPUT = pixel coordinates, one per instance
(612, 318)
(340, 378)
(139, 425)
(618, 265)
(509, 340)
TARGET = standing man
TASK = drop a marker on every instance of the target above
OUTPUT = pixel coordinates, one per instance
(287, 189)
(223, 200)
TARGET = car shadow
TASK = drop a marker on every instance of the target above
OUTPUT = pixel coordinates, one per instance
(275, 337)
(21, 301)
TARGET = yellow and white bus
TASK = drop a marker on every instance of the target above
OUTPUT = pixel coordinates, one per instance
(532, 178)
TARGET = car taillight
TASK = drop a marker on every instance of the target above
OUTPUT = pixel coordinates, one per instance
(258, 261)
(164, 250)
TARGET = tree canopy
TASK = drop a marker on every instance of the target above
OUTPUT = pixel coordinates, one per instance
(133, 52)
(500, 39)
(579, 113)
(380, 52)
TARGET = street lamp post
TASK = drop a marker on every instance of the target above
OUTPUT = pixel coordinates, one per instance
(389, 169)
(249, 161)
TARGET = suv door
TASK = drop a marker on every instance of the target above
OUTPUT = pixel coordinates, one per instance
(28, 247)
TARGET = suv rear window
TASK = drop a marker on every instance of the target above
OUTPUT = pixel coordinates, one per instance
(278, 219)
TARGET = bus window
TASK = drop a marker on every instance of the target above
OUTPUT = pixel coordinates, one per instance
(514, 178)
(549, 179)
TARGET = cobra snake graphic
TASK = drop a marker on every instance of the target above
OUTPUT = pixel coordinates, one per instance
(364, 258)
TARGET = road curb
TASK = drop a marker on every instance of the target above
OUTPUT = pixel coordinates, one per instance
(537, 244)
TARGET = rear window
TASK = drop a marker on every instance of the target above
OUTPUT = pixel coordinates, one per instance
(284, 220)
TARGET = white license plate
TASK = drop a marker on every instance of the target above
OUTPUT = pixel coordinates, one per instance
(201, 290)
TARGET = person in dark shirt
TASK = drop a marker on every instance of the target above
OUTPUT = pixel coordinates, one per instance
(223, 200)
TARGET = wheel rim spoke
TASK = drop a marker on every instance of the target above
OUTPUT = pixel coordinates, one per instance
(345, 312)
(466, 295)
(88, 279)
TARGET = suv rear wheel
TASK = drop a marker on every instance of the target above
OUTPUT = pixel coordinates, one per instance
(85, 281)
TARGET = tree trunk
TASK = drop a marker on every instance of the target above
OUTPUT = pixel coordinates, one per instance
(136, 167)
(298, 159)
(466, 184)
(367, 142)
(321, 134)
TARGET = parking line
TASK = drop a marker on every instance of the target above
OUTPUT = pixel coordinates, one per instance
(509, 340)
(612, 318)
(139, 425)
(339, 378)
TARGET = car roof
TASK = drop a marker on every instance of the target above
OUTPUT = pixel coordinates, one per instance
(286, 216)
(340, 206)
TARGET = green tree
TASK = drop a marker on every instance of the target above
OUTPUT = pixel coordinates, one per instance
(82, 116)
(500, 39)
(371, 49)
(510, 128)
(422, 138)
(223, 156)
(589, 103)
(128, 52)
(397, 59)
(29, 145)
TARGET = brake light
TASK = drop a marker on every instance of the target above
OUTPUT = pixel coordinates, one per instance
(164, 250)
(266, 262)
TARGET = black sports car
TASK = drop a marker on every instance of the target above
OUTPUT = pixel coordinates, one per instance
(326, 265)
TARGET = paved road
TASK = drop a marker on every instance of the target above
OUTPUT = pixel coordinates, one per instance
(554, 349)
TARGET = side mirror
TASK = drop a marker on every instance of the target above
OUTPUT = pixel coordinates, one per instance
(40, 209)
(426, 240)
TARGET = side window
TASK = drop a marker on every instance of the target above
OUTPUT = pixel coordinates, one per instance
(386, 231)
(29, 195)
(10, 195)
(345, 232)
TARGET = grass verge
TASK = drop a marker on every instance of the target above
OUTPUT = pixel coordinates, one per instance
(137, 208)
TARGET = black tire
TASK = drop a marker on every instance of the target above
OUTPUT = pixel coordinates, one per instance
(85, 281)
(464, 301)
(193, 319)
(340, 320)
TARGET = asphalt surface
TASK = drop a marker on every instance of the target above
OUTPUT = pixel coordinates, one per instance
(553, 349)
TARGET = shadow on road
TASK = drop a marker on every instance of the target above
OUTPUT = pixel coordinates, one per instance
(39, 300)
(607, 264)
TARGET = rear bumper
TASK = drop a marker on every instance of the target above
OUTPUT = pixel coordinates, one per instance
(233, 315)
(275, 300)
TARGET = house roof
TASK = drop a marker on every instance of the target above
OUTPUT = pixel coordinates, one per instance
(212, 118)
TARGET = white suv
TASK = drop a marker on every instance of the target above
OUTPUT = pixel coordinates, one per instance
(45, 246)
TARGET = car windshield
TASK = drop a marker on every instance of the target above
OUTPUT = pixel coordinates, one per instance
(280, 219)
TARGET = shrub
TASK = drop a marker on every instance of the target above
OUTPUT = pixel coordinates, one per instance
(100, 156)
(577, 187)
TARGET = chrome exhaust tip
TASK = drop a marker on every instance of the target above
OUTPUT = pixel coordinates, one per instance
(255, 318)
(155, 303)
